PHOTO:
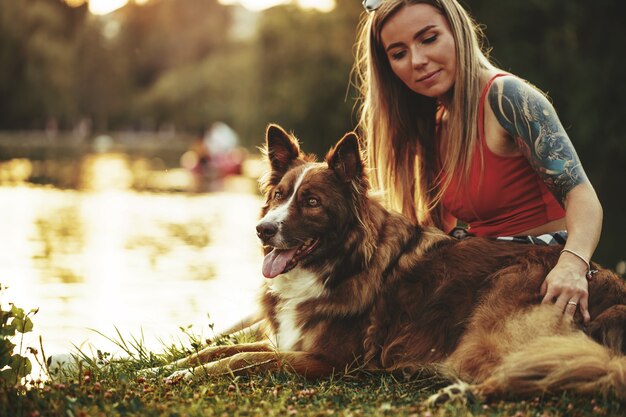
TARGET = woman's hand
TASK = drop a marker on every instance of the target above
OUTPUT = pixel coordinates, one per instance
(566, 286)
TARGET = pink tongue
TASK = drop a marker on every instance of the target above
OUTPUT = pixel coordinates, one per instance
(276, 262)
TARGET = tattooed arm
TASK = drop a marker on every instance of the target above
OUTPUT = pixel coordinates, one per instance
(529, 119)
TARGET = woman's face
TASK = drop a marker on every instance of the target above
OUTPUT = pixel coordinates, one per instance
(421, 50)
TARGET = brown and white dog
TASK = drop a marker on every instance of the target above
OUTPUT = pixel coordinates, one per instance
(351, 284)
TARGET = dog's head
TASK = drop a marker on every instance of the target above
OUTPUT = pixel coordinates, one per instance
(309, 206)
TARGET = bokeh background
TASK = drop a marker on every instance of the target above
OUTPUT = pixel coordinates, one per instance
(129, 135)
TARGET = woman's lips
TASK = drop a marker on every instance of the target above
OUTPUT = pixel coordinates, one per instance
(429, 77)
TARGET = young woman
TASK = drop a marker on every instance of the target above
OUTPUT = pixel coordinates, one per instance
(450, 137)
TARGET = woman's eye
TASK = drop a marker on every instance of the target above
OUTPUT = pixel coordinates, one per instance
(398, 55)
(430, 39)
(312, 202)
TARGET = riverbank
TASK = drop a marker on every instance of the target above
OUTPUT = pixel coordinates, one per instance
(142, 161)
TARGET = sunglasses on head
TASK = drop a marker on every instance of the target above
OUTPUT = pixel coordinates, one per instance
(371, 5)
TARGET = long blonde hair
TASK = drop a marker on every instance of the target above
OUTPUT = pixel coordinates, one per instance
(398, 125)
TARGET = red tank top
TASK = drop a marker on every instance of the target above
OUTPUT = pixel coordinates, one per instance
(510, 198)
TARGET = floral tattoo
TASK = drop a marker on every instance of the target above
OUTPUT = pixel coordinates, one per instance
(530, 119)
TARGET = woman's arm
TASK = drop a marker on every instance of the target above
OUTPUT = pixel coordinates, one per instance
(448, 220)
(529, 118)
(584, 219)
(567, 281)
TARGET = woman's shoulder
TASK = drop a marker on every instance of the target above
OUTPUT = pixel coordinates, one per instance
(513, 87)
(512, 98)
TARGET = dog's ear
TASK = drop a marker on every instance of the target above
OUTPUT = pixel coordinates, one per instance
(345, 158)
(282, 148)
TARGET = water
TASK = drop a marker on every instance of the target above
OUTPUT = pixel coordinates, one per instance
(141, 262)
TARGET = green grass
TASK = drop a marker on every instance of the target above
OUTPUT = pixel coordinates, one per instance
(103, 386)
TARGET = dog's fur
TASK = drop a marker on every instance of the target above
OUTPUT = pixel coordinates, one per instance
(368, 287)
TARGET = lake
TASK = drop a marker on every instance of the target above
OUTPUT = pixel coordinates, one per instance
(108, 257)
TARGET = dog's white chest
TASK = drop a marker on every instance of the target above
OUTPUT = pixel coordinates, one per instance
(288, 332)
(293, 289)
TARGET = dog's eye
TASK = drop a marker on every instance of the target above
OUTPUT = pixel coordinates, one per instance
(278, 195)
(312, 202)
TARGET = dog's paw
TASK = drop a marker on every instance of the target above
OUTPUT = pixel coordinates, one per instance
(151, 372)
(459, 393)
(63, 367)
(184, 375)
(156, 371)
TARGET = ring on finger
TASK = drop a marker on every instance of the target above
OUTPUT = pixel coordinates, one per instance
(572, 303)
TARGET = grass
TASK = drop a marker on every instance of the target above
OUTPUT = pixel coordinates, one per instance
(104, 386)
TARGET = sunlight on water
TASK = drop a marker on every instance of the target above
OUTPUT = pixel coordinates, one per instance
(138, 261)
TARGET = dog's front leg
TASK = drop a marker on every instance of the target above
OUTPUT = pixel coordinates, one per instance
(211, 353)
(208, 354)
(302, 363)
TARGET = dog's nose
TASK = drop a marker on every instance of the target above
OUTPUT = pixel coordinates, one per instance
(266, 230)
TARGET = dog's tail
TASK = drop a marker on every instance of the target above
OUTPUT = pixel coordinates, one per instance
(561, 362)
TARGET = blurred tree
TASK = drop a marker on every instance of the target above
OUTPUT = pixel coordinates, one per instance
(102, 85)
(250, 81)
(37, 71)
(165, 43)
(162, 35)
(195, 95)
(304, 62)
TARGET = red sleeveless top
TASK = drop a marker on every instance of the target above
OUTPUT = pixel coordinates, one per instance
(509, 198)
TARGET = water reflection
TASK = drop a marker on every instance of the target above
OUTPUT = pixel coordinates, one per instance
(106, 172)
(57, 244)
(109, 256)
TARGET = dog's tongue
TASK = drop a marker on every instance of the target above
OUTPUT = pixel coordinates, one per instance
(276, 261)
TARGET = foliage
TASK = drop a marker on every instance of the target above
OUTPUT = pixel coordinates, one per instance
(304, 62)
(115, 387)
(36, 61)
(192, 62)
(13, 366)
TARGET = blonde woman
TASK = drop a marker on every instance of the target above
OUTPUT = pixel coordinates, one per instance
(450, 137)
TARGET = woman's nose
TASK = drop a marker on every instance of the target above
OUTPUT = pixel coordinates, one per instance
(418, 58)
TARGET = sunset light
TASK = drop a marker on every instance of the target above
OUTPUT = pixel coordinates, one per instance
(107, 6)
(322, 5)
